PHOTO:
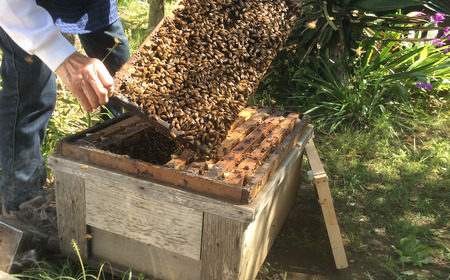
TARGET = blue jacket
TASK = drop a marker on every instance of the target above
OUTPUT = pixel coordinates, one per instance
(81, 16)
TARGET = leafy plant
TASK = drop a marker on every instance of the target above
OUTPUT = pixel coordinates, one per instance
(330, 26)
(382, 62)
(411, 251)
(271, 272)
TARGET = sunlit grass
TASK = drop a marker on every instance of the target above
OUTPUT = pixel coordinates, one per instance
(380, 181)
(385, 188)
(134, 17)
(67, 118)
(68, 269)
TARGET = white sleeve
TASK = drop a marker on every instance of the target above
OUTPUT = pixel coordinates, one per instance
(32, 28)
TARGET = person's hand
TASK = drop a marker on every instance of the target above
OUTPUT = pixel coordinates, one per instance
(88, 79)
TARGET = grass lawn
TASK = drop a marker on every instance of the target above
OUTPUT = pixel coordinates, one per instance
(386, 185)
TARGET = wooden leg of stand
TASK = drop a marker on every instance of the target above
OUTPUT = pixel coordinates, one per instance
(320, 180)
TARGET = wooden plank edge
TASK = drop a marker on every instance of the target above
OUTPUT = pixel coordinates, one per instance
(181, 161)
(112, 129)
(314, 160)
(123, 135)
(240, 132)
(6, 276)
(258, 203)
(237, 177)
(254, 159)
(163, 191)
(124, 164)
(98, 127)
(243, 116)
(326, 203)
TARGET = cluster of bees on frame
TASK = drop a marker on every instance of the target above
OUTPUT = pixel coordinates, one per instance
(199, 68)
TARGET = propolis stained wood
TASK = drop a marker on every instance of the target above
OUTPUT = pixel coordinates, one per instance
(247, 153)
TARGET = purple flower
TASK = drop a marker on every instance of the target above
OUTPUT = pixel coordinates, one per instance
(424, 85)
(446, 30)
(436, 41)
(446, 50)
(438, 17)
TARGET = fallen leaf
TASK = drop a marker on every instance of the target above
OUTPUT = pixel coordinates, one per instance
(410, 138)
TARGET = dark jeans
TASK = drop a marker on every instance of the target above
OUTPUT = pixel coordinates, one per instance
(27, 100)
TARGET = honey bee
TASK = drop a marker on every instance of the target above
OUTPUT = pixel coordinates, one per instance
(359, 51)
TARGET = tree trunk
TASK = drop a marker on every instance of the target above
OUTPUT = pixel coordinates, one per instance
(155, 13)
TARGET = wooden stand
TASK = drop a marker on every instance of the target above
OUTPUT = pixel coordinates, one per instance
(320, 180)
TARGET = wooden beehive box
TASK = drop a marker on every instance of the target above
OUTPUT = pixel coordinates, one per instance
(188, 218)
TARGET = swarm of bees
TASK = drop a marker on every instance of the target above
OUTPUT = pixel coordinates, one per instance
(203, 63)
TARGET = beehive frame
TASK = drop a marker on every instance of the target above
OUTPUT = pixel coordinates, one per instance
(259, 141)
(195, 71)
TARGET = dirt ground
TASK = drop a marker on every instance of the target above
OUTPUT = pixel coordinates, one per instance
(305, 263)
(302, 250)
(308, 264)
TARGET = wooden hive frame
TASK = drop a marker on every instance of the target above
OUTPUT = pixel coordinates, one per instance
(258, 142)
(125, 74)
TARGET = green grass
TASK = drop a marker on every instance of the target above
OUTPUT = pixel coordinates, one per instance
(134, 19)
(68, 118)
(385, 188)
(68, 269)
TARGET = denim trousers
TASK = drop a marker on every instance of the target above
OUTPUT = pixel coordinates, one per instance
(27, 100)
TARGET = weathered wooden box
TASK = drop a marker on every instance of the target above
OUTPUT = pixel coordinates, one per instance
(187, 218)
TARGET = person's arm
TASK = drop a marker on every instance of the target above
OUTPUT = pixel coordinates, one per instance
(32, 28)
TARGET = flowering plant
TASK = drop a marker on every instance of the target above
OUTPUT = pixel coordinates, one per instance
(351, 64)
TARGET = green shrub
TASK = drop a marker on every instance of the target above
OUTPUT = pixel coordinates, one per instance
(367, 67)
